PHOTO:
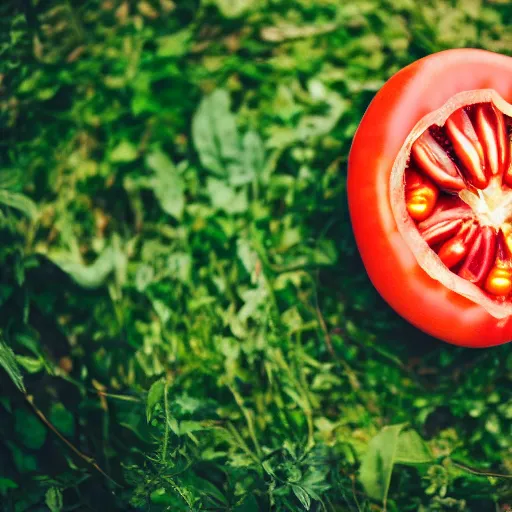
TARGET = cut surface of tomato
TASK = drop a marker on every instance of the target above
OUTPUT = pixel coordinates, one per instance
(432, 156)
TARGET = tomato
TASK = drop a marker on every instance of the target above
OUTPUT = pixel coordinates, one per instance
(411, 94)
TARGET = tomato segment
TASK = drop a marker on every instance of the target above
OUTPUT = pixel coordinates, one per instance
(435, 162)
(467, 147)
(465, 94)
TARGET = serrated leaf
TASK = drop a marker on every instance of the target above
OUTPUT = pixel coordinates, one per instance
(89, 276)
(215, 135)
(19, 202)
(155, 394)
(9, 364)
(168, 184)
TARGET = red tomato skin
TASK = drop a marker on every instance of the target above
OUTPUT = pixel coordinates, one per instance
(409, 95)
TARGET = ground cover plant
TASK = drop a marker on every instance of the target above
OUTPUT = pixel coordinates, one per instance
(185, 322)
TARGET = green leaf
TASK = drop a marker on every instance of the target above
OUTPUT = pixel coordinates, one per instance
(179, 266)
(24, 462)
(225, 198)
(303, 496)
(31, 364)
(174, 45)
(215, 135)
(19, 202)
(155, 394)
(124, 152)
(54, 500)
(89, 276)
(10, 178)
(9, 364)
(253, 160)
(168, 184)
(233, 8)
(5, 485)
(62, 419)
(377, 463)
(412, 449)
(392, 445)
(29, 429)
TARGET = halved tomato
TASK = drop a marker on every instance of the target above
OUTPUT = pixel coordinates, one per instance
(430, 197)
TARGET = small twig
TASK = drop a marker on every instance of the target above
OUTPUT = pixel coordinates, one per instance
(125, 398)
(477, 471)
(71, 446)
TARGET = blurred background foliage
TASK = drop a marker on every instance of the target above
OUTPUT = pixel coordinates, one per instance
(185, 322)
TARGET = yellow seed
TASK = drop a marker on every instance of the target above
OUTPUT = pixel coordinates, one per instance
(499, 281)
(419, 208)
(420, 195)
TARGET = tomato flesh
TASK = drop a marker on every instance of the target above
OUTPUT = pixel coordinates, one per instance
(419, 89)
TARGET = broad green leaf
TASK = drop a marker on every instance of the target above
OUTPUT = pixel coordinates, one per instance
(392, 445)
(155, 394)
(215, 135)
(168, 184)
(31, 432)
(19, 202)
(412, 449)
(9, 364)
(377, 463)
(54, 500)
(89, 276)
(225, 198)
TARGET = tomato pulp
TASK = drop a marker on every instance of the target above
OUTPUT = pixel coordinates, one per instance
(429, 302)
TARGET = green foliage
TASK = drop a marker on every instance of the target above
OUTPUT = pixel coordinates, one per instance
(9, 364)
(186, 323)
(393, 445)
